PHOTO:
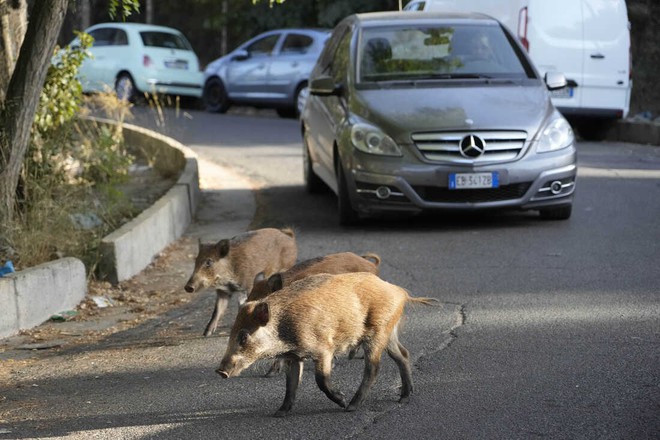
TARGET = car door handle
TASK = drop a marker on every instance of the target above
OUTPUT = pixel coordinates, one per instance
(597, 56)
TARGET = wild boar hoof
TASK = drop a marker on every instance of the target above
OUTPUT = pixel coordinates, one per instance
(351, 408)
(281, 413)
(404, 400)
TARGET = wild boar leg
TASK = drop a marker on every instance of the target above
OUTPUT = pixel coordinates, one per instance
(400, 355)
(276, 367)
(322, 376)
(220, 306)
(293, 374)
(371, 366)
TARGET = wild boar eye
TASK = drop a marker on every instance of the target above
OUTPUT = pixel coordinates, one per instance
(242, 337)
(208, 263)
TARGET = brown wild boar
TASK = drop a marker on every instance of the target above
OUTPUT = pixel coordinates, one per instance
(342, 262)
(230, 265)
(316, 317)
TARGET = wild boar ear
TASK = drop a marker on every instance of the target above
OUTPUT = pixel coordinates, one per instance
(260, 277)
(222, 248)
(261, 313)
(275, 282)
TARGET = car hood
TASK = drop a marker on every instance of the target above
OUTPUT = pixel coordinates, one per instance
(401, 111)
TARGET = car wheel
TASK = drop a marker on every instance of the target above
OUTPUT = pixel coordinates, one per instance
(313, 184)
(560, 213)
(215, 96)
(347, 215)
(286, 112)
(125, 88)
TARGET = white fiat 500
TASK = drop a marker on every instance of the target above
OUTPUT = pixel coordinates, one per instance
(133, 58)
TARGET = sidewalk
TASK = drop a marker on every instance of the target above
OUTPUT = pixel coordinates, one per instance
(226, 209)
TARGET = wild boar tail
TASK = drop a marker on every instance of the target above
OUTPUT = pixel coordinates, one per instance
(289, 232)
(372, 258)
(421, 299)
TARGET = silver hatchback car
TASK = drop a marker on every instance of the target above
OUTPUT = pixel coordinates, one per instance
(270, 70)
(419, 111)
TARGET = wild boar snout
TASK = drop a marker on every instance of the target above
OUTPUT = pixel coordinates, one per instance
(189, 288)
(222, 373)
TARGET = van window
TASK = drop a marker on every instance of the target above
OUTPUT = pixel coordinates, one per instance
(430, 52)
(165, 40)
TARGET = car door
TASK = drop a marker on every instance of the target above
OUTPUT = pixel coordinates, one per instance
(290, 64)
(327, 112)
(98, 73)
(247, 77)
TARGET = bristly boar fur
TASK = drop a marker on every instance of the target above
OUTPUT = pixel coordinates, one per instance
(317, 317)
(230, 265)
(342, 262)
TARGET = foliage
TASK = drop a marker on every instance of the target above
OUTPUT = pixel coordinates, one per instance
(124, 7)
(60, 98)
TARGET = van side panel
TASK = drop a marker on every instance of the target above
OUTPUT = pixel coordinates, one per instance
(556, 43)
(607, 55)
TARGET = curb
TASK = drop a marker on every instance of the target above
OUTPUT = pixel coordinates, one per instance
(637, 132)
(31, 296)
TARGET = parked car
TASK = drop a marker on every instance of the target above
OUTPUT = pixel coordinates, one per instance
(133, 58)
(270, 70)
(412, 111)
(587, 40)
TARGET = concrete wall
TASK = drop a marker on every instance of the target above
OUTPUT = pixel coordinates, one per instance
(32, 296)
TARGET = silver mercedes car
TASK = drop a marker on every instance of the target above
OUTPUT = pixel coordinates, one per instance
(419, 111)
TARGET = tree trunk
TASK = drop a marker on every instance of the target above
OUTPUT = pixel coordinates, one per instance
(13, 23)
(22, 97)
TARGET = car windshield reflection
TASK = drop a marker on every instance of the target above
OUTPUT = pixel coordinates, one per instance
(437, 53)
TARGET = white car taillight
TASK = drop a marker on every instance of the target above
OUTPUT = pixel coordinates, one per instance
(146, 61)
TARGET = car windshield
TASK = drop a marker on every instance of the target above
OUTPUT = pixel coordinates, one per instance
(457, 51)
(164, 39)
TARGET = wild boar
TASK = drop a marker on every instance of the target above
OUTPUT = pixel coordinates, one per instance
(230, 265)
(316, 317)
(342, 262)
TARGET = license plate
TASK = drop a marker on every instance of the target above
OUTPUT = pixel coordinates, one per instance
(473, 180)
(566, 92)
(176, 64)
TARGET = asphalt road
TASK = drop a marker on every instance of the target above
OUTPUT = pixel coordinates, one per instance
(548, 330)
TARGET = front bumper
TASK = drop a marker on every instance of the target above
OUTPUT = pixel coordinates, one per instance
(523, 184)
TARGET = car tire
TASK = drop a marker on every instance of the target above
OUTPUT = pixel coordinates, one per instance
(560, 213)
(299, 99)
(125, 88)
(215, 96)
(347, 215)
(313, 184)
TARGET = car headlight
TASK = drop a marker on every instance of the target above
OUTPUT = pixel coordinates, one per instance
(556, 135)
(372, 140)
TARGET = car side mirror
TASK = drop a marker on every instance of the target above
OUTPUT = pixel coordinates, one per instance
(555, 80)
(324, 86)
(240, 55)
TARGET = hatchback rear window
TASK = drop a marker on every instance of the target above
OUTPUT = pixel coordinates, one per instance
(438, 52)
(164, 39)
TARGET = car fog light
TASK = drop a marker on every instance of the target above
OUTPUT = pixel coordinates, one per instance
(556, 187)
(383, 192)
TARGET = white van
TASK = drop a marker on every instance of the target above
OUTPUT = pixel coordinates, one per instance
(586, 40)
